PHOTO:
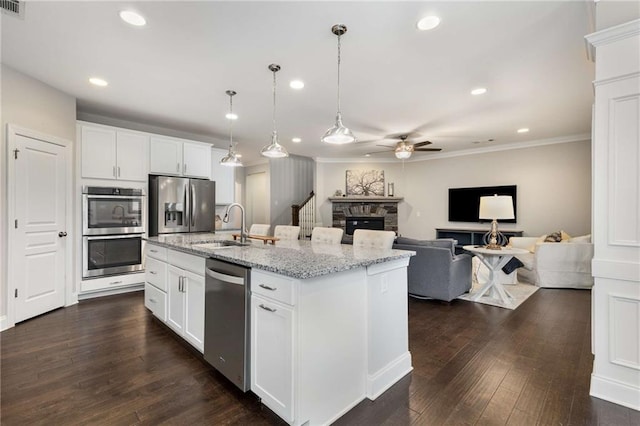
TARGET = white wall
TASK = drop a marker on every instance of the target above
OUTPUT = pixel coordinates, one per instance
(30, 104)
(554, 187)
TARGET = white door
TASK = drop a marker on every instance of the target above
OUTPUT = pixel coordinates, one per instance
(39, 252)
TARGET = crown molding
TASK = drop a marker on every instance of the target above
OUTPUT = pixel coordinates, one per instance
(461, 153)
(611, 35)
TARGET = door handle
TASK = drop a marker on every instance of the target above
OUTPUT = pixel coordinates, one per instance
(62, 234)
(193, 205)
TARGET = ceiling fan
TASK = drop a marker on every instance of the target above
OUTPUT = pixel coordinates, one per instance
(403, 149)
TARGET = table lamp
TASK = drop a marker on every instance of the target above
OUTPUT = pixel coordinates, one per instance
(496, 207)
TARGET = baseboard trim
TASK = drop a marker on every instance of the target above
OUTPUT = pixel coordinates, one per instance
(616, 392)
(384, 378)
(4, 324)
(110, 292)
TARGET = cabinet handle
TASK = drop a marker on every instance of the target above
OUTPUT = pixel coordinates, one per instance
(180, 284)
(184, 169)
(114, 171)
(152, 300)
(184, 284)
(118, 171)
(266, 308)
(153, 272)
(115, 282)
(178, 167)
(267, 287)
(153, 251)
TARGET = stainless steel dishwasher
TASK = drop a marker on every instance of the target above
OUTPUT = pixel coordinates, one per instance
(226, 321)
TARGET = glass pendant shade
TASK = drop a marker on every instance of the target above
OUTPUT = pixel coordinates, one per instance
(274, 149)
(231, 159)
(338, 134)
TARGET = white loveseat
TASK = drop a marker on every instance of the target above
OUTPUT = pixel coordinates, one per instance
(564, 264)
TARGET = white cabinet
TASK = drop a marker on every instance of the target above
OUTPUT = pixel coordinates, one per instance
(272, 364)
(196, 160)
(174, 291)
(111, 153)
(185, 298)
(224, 176)
(172, 156)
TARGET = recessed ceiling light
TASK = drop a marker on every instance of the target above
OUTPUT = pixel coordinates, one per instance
(98, 81)
(523, 130)
(479, 91)
(296, 84)
(296, 140)
(367, 155)
(231, 116)
(428, 23)
(132, 18)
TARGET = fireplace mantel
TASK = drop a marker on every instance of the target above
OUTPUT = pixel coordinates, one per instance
(365, 199)
(360, 206)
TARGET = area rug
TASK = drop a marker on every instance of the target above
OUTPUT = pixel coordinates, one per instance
(520, 293)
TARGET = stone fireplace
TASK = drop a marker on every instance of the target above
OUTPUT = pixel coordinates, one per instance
(355, 212)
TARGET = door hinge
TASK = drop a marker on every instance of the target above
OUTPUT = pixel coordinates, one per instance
(16, 293)
(15, 153)
(16, 224)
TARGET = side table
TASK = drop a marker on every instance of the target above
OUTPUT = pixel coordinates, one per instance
(494, 260)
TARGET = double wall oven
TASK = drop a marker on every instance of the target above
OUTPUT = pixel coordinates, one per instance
(113, 222)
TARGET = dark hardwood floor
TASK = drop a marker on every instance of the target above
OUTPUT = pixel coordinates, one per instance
(108, 361)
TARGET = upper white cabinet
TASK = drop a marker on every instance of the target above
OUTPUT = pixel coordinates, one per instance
(224, 177)
(171, 156)
(110, 153)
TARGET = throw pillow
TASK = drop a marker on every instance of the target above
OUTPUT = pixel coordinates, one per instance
(554, 237)
(583, 239)
(565, 237)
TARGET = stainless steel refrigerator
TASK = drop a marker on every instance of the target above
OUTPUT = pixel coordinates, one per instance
(181, 205)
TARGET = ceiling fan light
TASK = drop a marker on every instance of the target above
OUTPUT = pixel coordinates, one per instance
(338, 134)
(403, 155)
(274, 149)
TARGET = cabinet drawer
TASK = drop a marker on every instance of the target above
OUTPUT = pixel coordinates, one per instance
(186, 261)
(157, 252)
(273, 286)
(156, 301)
(111, 282)
(156, 273)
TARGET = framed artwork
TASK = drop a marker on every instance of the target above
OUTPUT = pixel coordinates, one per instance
(365, 182)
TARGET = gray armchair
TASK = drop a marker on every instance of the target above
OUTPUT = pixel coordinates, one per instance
(436, 271)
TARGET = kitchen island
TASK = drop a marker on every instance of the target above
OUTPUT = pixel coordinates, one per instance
(329, 324)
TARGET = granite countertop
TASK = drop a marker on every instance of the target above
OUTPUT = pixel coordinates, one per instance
(296, 259)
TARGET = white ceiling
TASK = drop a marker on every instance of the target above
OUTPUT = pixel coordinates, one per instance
(174, 71)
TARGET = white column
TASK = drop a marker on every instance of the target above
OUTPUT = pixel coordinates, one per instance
(616, 215)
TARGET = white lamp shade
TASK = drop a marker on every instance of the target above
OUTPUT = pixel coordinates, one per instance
(496, 207)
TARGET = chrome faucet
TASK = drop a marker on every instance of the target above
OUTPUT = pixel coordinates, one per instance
(243, 233)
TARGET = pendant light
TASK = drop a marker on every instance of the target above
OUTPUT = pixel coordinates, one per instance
(274, 150)
(338, 134)
(231, 159)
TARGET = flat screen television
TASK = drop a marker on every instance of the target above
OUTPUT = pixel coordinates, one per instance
(464, 203)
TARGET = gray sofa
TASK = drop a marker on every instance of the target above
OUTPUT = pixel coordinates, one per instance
(436, 271)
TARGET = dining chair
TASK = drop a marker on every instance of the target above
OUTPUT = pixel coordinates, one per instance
(259, 229)
(326, 235)
(366, 238)
(285, 232)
